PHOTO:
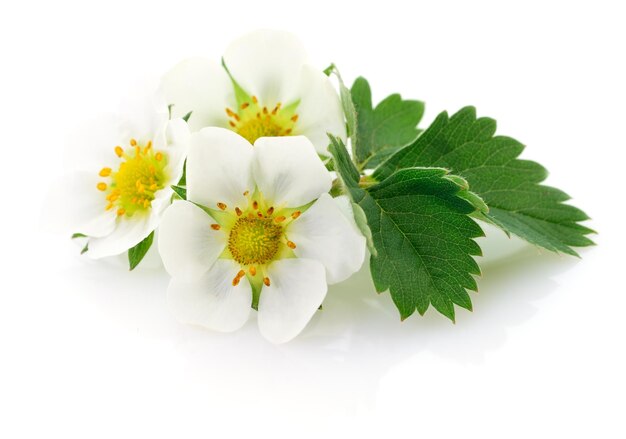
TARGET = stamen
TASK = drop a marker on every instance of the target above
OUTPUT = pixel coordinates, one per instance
(158, 156)
(121, 211)
(101, 186)
(279, 219)
(238, 211)
(255, 100)
(238, 277)
(245, 105)
(119, 151)
(255, 205)
(252, 270)
(294, 118)
(288, 131)
(266, 281)
(229, 112)
(296, 214)
(232, 124)
(216, 226)
(133, 142)
(264, 110)
(105, 172)
(246, 193)
(270, 211)
(222, 206)
(291, 244)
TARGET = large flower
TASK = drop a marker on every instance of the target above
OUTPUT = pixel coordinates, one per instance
(259, 229)
(266, 89)
(122, 177)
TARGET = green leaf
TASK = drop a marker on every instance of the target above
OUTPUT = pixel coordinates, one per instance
(78, 235)
(423, 235)
(518, 202)
(136, 254)
(181, 191)
(187, 116)
(383, 130)
(85, 249)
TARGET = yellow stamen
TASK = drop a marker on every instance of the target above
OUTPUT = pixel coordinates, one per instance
(119, 151)
(266, 281)
(255, 205)
(121, 211)
(105, 172)
(238, 211)
(101, 186)
(255, 100)
(296, 214)
(245, 105)
(279, 219)
(222, 206)
(133, 142)
(294, 118)
(291, 244)
(252, 270)
(215, 226)
(158, 156)
(270, 211)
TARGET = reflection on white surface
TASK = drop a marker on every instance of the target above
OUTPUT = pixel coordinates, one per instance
(345, 351)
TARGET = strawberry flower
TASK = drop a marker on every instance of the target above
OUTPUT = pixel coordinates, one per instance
(265, 88)
(259, 230)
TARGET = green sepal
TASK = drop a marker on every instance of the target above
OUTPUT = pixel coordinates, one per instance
(137, 253)
(181, 191)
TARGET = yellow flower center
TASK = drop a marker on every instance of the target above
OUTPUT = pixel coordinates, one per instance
(254, 240)
(252, 120)
(257, 235)
(140, 175)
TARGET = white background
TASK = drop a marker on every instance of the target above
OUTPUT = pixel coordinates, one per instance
(90, 350)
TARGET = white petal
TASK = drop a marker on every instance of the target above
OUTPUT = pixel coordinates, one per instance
(176, 138)
(142, 114)
(219, 168)
(288, 171)
(324, 234)
(128, 232)
(74, 205)
(298, 287)
(202, 87)
(319, 111)
(266, 64)
(91, 146)
(187, 244)
(212, 301)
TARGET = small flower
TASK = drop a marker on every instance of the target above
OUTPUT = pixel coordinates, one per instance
(123, 176)
(266, 89)
(259, 229)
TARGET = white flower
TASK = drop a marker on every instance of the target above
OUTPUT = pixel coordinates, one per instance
(266, 90)
(267, 231)
(122, 177)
